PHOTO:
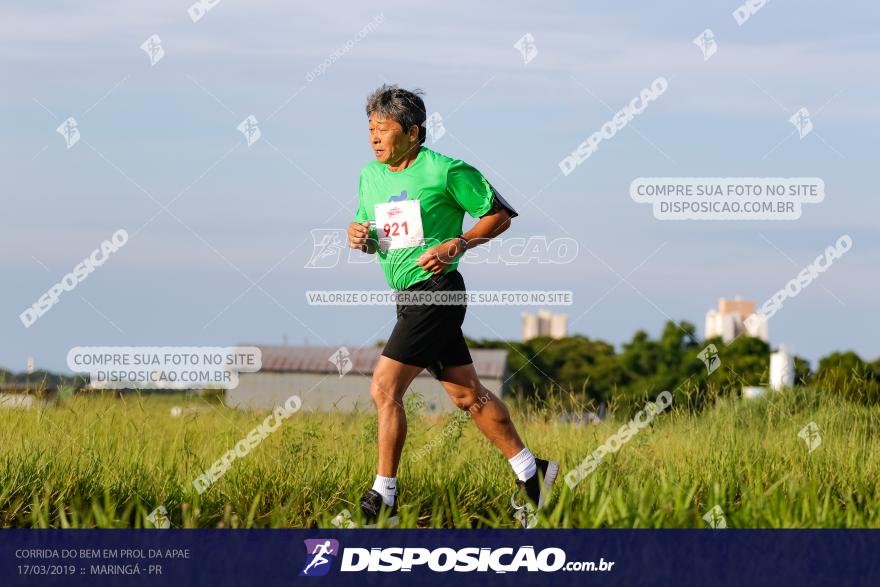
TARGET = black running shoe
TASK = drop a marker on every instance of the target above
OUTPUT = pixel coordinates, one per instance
(537, 490)
(374, 510)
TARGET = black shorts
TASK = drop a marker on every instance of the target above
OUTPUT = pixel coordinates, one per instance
(430, 336)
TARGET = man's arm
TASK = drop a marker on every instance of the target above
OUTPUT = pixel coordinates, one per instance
(490, 225)
(438, 258)
(472, 192)
(359, 234)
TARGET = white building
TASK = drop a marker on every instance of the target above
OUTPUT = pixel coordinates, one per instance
(781, 369)
(338, 379)
(735, 317)
(544, 323)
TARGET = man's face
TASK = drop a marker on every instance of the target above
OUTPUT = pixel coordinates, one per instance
(389, 141)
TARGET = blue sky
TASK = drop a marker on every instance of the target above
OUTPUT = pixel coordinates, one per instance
(243, 214)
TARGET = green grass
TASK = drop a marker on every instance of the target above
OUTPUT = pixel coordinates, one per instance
(107, 462)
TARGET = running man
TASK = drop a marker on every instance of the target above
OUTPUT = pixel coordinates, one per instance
(415, 199)
(320, 551)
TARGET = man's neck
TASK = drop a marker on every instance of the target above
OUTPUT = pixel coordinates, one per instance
(408, 159)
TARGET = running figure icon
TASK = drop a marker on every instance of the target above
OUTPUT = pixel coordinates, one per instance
(321, 549)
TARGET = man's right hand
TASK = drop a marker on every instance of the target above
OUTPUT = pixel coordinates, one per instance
(359, 237)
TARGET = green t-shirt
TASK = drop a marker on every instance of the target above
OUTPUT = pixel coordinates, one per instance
(445, 188)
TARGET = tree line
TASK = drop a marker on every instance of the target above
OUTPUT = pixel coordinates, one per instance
(591, 369)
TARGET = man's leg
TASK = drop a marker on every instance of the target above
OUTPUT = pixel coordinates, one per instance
(391, 379)
(535, 476)
(487, 410)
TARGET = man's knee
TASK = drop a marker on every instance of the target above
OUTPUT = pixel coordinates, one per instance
(471, 399)
(385, 390)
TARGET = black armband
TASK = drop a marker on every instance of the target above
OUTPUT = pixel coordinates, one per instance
(499, 203)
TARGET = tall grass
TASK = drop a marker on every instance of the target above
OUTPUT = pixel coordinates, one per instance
(108, 462)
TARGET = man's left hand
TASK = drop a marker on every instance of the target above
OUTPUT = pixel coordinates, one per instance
(438, 258)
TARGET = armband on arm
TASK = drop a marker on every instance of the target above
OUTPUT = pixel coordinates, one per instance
(499, 203)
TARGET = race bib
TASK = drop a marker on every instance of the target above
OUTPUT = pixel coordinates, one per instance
(399, 225)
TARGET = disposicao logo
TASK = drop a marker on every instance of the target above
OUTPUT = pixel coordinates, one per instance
(320, 553)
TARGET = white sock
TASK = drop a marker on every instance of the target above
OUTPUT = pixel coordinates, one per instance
(523, 464)
(386, 487)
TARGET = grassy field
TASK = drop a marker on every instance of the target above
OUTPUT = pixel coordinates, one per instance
(108, 462)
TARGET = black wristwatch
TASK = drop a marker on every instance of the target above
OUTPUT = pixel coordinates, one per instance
(463, 243)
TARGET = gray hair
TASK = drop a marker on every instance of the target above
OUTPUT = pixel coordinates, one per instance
(404, 106)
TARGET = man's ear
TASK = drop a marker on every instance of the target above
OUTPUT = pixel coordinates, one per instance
(414, 133)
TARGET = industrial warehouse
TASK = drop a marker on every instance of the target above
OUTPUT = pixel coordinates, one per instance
(338, 379)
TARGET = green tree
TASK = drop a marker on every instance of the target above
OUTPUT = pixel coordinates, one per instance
(848, 376)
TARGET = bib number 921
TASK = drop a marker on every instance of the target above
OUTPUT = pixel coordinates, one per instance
(399, 225)
(395, 229)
